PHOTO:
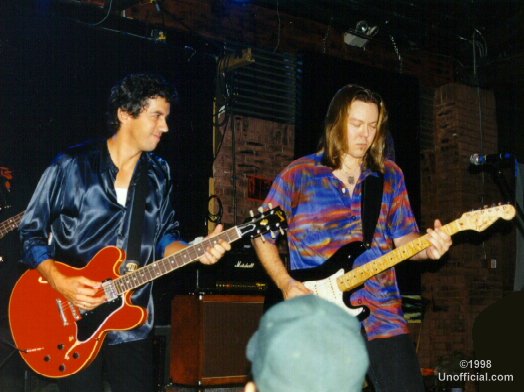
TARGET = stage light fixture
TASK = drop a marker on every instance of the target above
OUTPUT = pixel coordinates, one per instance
(360, 35)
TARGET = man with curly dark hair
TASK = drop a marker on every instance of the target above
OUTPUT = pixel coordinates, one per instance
(84, 202)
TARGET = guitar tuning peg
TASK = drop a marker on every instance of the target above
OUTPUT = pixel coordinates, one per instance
(270, 205)
(251, 214)
(273, 235)
(281, 230)
(260, 209)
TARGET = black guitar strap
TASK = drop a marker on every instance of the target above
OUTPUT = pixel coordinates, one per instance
(371, 203)
(134, 241)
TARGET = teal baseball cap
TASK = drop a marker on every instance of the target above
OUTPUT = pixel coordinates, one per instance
(307, 344)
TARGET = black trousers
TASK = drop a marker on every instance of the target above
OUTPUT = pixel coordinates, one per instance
(393, 365)
(125, 367)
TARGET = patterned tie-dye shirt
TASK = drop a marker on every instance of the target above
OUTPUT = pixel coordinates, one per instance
(323, 216)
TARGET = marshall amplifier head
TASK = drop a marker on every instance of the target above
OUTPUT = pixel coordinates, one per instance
(238, 272)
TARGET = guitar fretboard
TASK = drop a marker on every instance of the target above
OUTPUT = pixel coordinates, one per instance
(359, 275)
(10, 224)
(163, 266)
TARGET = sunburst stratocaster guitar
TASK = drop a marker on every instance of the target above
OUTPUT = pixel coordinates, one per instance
(335, 280)
(57, 339)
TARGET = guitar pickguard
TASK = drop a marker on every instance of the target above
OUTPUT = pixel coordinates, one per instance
(327, 289)
(92, 321)
(322, 280)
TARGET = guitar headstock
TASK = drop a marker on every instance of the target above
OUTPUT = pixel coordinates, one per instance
(268, 221)
(480, 220)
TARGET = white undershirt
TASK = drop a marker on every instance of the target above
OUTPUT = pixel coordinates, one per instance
(121, 196)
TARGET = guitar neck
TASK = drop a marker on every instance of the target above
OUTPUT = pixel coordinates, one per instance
(10, 224)
(357, 276)
(170, 263)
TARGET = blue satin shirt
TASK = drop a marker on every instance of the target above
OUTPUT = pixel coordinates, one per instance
(74, 213)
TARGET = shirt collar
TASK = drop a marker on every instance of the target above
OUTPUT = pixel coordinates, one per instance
(107, 164)
(317, 157)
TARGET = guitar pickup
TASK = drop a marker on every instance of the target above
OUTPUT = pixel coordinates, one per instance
(109, 290)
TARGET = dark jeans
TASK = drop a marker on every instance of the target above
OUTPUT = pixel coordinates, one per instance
(125, 367)
(394, 365)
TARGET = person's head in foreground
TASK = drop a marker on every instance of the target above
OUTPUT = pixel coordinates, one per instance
(307, 344)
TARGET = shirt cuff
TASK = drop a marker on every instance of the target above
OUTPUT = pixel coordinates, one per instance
(167, 240)
(37, 254)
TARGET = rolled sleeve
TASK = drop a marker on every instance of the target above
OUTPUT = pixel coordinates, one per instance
(35, 254)
(167, 240)
(34, 228)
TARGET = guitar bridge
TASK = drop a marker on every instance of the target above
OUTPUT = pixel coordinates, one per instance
(60, 306)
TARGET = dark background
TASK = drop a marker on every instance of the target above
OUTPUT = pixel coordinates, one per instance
(56, 75)
(323, 76)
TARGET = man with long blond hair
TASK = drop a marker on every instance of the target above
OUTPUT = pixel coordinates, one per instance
(322, 195)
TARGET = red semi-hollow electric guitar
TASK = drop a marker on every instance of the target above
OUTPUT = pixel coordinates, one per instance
(57, 339)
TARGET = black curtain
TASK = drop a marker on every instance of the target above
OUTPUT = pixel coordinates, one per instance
(56, 74)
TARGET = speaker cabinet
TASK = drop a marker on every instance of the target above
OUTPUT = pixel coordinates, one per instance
(209, 338)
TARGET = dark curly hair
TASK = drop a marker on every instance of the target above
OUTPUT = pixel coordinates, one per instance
(334, 139)
(132, 93)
